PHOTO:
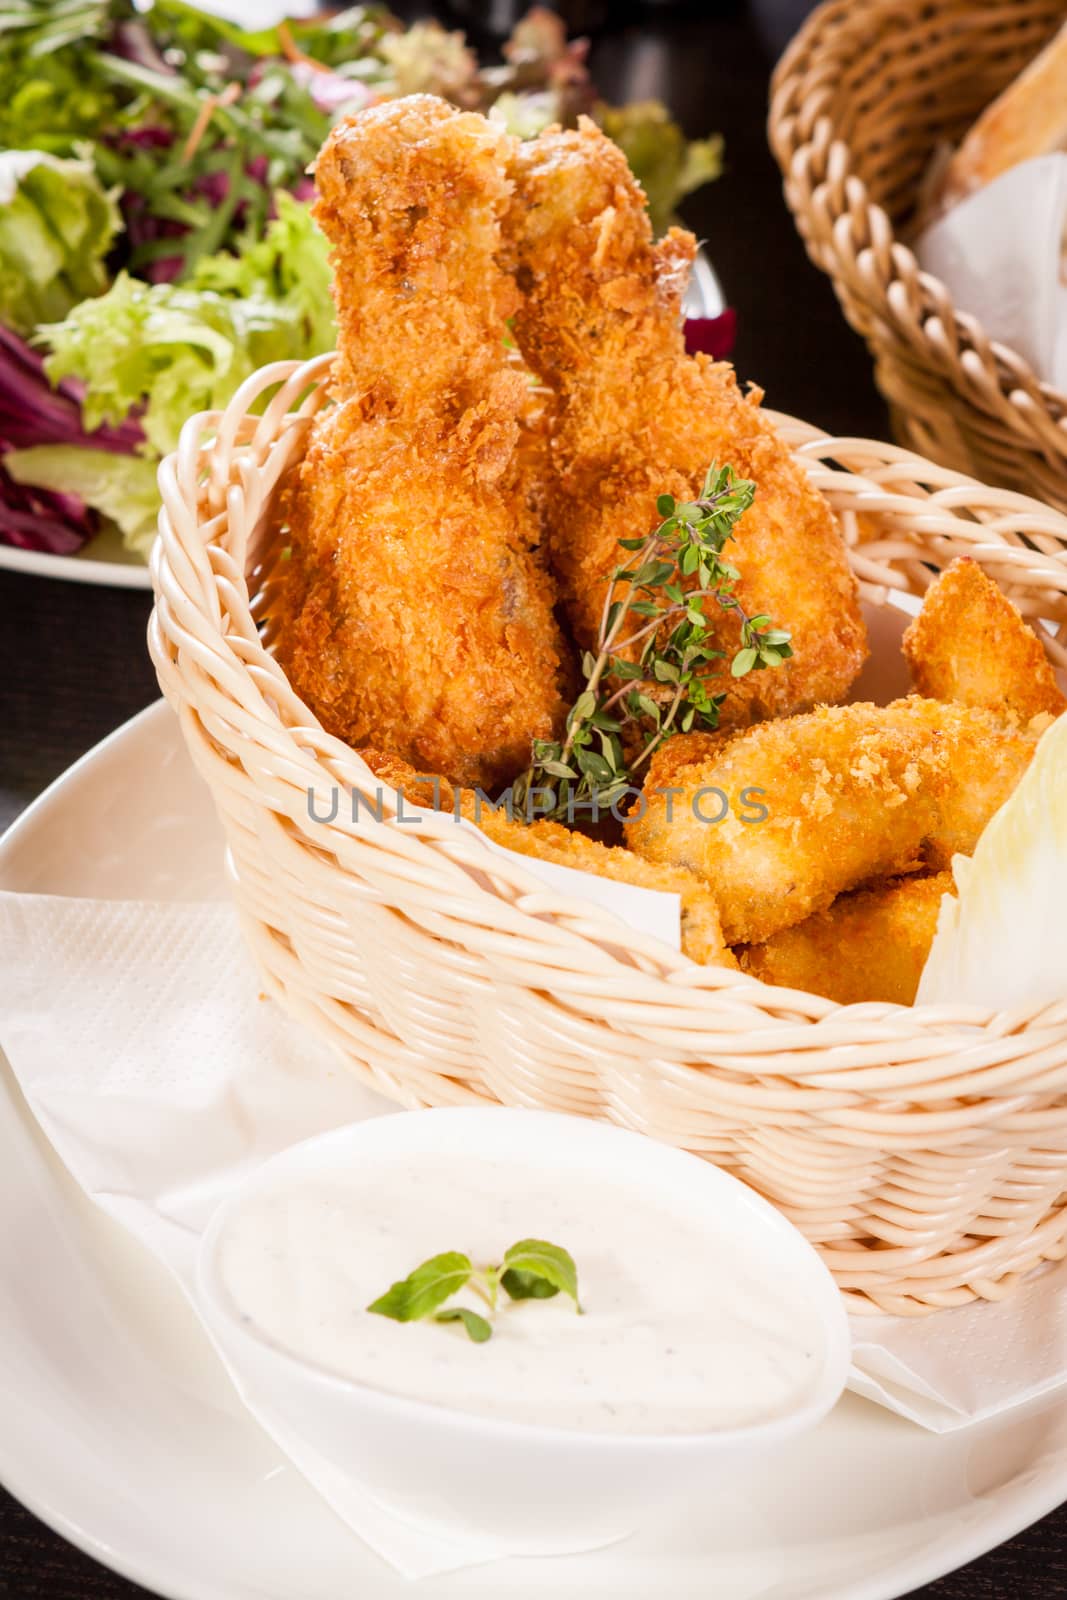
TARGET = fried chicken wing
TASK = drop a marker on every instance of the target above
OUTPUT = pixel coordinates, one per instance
(868, 945)
(600, 323)
(416, 613)
(702, 937)
(969, 644)
(850, 792)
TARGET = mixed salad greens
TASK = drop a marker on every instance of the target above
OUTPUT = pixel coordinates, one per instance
(156, 240)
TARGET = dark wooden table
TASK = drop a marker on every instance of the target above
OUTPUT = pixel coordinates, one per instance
(73, 664)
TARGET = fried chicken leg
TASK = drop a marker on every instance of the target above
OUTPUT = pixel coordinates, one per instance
(850, 793)
(601, 324)
(417, 614)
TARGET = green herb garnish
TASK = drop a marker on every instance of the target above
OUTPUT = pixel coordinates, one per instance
(533, 1269)
(423, 1290)
(654, 680)
(477, 1328)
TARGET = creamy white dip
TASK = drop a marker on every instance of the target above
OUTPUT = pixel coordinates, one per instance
(680, 1334)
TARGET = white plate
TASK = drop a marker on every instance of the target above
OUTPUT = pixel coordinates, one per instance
(118, 1427)
(106, 560)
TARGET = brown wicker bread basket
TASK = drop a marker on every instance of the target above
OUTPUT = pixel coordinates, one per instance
(861, 100)
(923, 1150)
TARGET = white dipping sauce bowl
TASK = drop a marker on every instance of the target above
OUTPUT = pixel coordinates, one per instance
(534, 1490)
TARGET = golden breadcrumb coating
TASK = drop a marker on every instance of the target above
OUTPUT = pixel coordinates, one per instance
(683, 750)
(416, 614)
(702, 937)
(985, 759)
(851, 793)
(871, 944)
(601, 323)
(969, 644)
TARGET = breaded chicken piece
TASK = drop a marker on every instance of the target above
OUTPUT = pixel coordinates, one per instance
(682, 750)
(969, 644)
(871, 944)
(702, 937)
(601, 324)
(851, 793)
(986, 759)
(416, 614)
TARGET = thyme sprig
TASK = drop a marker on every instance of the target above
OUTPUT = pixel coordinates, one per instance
(654, 679)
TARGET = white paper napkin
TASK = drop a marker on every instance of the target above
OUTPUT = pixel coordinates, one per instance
(1001, 254)
(139, 1038)
(954, 1368)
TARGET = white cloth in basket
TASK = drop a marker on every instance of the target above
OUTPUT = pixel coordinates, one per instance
(1001, 253)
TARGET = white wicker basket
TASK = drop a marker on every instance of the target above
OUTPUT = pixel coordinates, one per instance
(923, 1150)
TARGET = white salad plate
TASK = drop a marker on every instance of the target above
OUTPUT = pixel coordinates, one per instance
(106, 560)
(119, 1428)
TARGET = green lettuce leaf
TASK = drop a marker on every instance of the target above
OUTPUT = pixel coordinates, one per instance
(526, 114)
(336, 38)
(667, 166)
(427, 59)
(166, 351)
(178, 349)
(290, 263)
(50, 93)
(56, 227)
(52, 107)
(122, 488)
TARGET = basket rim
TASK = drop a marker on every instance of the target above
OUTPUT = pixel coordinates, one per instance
(193, 487)
(802, 142)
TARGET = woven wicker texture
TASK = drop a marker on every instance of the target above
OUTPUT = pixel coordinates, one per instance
(923, 1150)
(861, 100)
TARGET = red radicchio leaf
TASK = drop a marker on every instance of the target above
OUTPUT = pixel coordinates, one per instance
(35, 519)
(32, 412)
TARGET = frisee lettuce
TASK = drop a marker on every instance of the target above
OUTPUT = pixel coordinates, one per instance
(175, 351)
(426, 59)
